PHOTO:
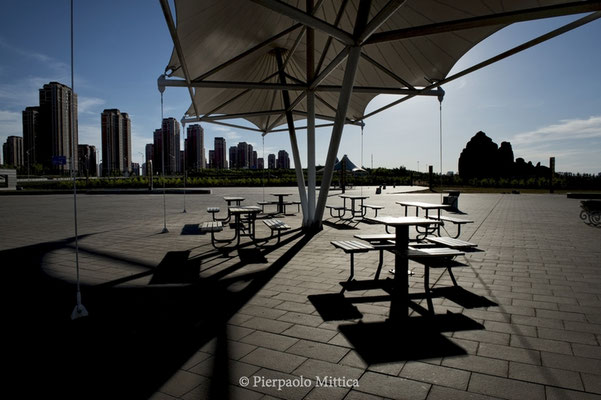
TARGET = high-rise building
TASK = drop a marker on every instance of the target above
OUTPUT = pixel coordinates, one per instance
(249, 156)
(195, 148)
(31, 133)
(149, 150)
(13, 151)
(58, 127)
(170, 140)
(157, 158)
(242, 155)
(212, 159)
(233, 152)
(271, 161)
(219, 155)
(260, 163)
(116, 142)
(86, 159)
(254, 163)
(283, 161)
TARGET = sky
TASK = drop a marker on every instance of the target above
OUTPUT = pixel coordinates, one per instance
(546, 101)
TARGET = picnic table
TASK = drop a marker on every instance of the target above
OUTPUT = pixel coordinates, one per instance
(281, 203)
(353, 210)
(400, 293)
(242, 226)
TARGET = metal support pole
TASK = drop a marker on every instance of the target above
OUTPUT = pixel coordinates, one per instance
(311, 173)
(293, 142)
(344, 99)
(343, 103)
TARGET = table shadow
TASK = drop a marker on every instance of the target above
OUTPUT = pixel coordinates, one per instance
(417, 338)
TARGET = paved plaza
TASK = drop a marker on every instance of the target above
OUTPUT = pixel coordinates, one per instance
(171, 317)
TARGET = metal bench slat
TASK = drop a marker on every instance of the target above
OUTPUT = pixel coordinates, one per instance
(456, 220)
(450, 242)
(211, 226)
(352, 246)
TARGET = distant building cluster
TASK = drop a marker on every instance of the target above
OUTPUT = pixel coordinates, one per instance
(50, 134)
(192, 156)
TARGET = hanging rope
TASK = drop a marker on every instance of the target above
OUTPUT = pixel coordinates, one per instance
(165, 230)
(263, 172)
(362, 125)
(440, 98)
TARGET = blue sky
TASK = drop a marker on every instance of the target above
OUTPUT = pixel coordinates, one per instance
(546, 101)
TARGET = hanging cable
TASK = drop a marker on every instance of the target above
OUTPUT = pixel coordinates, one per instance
(183, 134)
(362, 125)
(263, 172)
(165, 230)
(440, 98)
(79, 310)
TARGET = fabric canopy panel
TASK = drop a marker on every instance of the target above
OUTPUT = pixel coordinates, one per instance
(213, 33)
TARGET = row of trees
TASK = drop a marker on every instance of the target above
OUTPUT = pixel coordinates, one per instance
(372, 177)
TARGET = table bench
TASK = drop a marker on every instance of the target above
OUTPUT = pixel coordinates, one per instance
(381, 242)
(213, 211)
(436, 258)
(276, 225)
(455, 221)
(372, 207)
(351, 247)
(211, 226)
(339, 210)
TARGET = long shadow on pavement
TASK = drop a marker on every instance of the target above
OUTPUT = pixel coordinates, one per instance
(135, 339)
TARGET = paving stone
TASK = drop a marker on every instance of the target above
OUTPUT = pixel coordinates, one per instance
(446, 393)
(319, 351)
(302, 319)
(571, 363)
(478, 364)
(563, 394)
(269, 340)
(260, 311)
(540, 344)
(392, 387)
(567, 336)
(505, 388)
(592, 383)
(181, 383)
(435, 374)
(509, 353)
(273, 359)
(356, 395)
(310, 333)
(484, 336)
(267, 325)
(545, 375)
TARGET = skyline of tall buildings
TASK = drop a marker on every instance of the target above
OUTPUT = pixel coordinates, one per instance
(50, 135)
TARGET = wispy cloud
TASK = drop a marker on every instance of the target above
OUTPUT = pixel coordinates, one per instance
(90, 105)
(48, 61)
(569, 129)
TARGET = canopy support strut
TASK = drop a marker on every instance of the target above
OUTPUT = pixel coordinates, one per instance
(311, 173)
(344, 100)
(300, 178)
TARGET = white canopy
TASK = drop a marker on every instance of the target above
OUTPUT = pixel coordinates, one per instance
(264, 60)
